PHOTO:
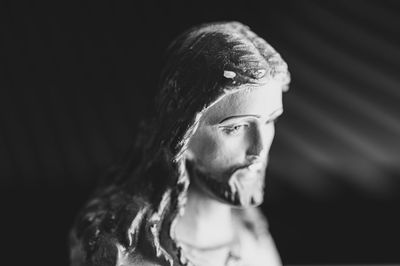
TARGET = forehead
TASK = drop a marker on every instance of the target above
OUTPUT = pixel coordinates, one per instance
(259, 100)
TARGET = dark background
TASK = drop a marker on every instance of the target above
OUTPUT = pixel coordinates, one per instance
(77, 77)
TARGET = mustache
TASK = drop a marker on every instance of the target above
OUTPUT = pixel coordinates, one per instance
(236, 168)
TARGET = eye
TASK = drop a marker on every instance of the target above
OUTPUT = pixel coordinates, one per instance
(234, 129)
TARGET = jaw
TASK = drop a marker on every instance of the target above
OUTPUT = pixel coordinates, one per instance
(238, 191)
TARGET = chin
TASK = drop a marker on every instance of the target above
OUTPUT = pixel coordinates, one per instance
(239, 191)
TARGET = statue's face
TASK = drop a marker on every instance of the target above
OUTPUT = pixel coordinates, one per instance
(229, 150)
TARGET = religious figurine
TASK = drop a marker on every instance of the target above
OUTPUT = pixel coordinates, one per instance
(192, 197)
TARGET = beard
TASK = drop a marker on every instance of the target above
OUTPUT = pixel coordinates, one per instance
(241, 186)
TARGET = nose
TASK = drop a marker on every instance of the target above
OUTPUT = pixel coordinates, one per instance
(259, 140)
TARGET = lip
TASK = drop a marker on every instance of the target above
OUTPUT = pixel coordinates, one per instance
(255, 166)
(249, 175)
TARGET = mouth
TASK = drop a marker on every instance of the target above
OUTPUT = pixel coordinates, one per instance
(248, 173)
(258, 165)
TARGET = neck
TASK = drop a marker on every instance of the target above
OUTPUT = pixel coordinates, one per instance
(206, 223)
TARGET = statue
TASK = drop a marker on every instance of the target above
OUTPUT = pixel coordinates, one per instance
(189, 191)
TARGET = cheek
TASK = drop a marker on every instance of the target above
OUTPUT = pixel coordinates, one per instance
(216, 152)
(203, 145)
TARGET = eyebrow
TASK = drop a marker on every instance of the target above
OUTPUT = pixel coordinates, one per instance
(249, 115)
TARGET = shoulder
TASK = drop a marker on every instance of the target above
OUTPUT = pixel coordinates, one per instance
(253, 220)
(108, 221)
(108, 252)
(259, 251)
(257, 246)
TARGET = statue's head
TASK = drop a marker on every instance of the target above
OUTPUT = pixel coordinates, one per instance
(220, 93)
(228, 152)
